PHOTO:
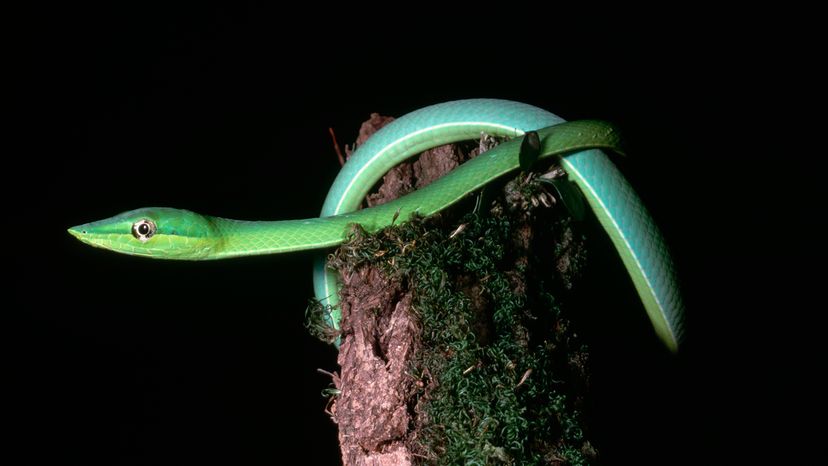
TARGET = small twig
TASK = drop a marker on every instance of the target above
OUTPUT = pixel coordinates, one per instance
(525, 376)
(323, 371)
(458, 230)
(328, 410)
(336, 147)
(478, 365)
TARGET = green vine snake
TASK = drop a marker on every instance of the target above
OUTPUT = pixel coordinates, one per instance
(168, 233)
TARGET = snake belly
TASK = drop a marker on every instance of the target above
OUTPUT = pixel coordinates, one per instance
(615, 204)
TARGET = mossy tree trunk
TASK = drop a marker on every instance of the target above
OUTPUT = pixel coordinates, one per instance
(455, 348)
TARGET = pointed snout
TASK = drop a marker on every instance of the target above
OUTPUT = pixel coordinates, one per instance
(77, 231)
(84, 234)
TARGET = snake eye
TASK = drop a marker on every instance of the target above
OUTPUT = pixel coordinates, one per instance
(143, 230)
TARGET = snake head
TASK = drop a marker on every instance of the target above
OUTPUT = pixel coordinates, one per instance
(158, 232)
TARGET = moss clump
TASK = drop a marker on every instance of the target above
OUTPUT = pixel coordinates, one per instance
(501, 377)
(317, 321)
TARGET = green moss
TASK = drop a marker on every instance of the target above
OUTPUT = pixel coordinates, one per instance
(501, 372)
(317, 318)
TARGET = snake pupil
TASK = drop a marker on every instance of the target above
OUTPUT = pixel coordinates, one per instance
(143, 229)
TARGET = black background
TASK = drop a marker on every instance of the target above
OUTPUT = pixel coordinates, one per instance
(226, 111)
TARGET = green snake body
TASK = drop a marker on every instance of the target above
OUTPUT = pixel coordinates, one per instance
(181, 234)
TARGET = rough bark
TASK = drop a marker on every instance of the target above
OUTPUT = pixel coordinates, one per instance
(380, 337)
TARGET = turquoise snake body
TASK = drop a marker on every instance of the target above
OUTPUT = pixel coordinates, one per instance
(179, 234)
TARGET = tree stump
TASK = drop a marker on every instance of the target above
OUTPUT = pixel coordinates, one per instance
(454, 343)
